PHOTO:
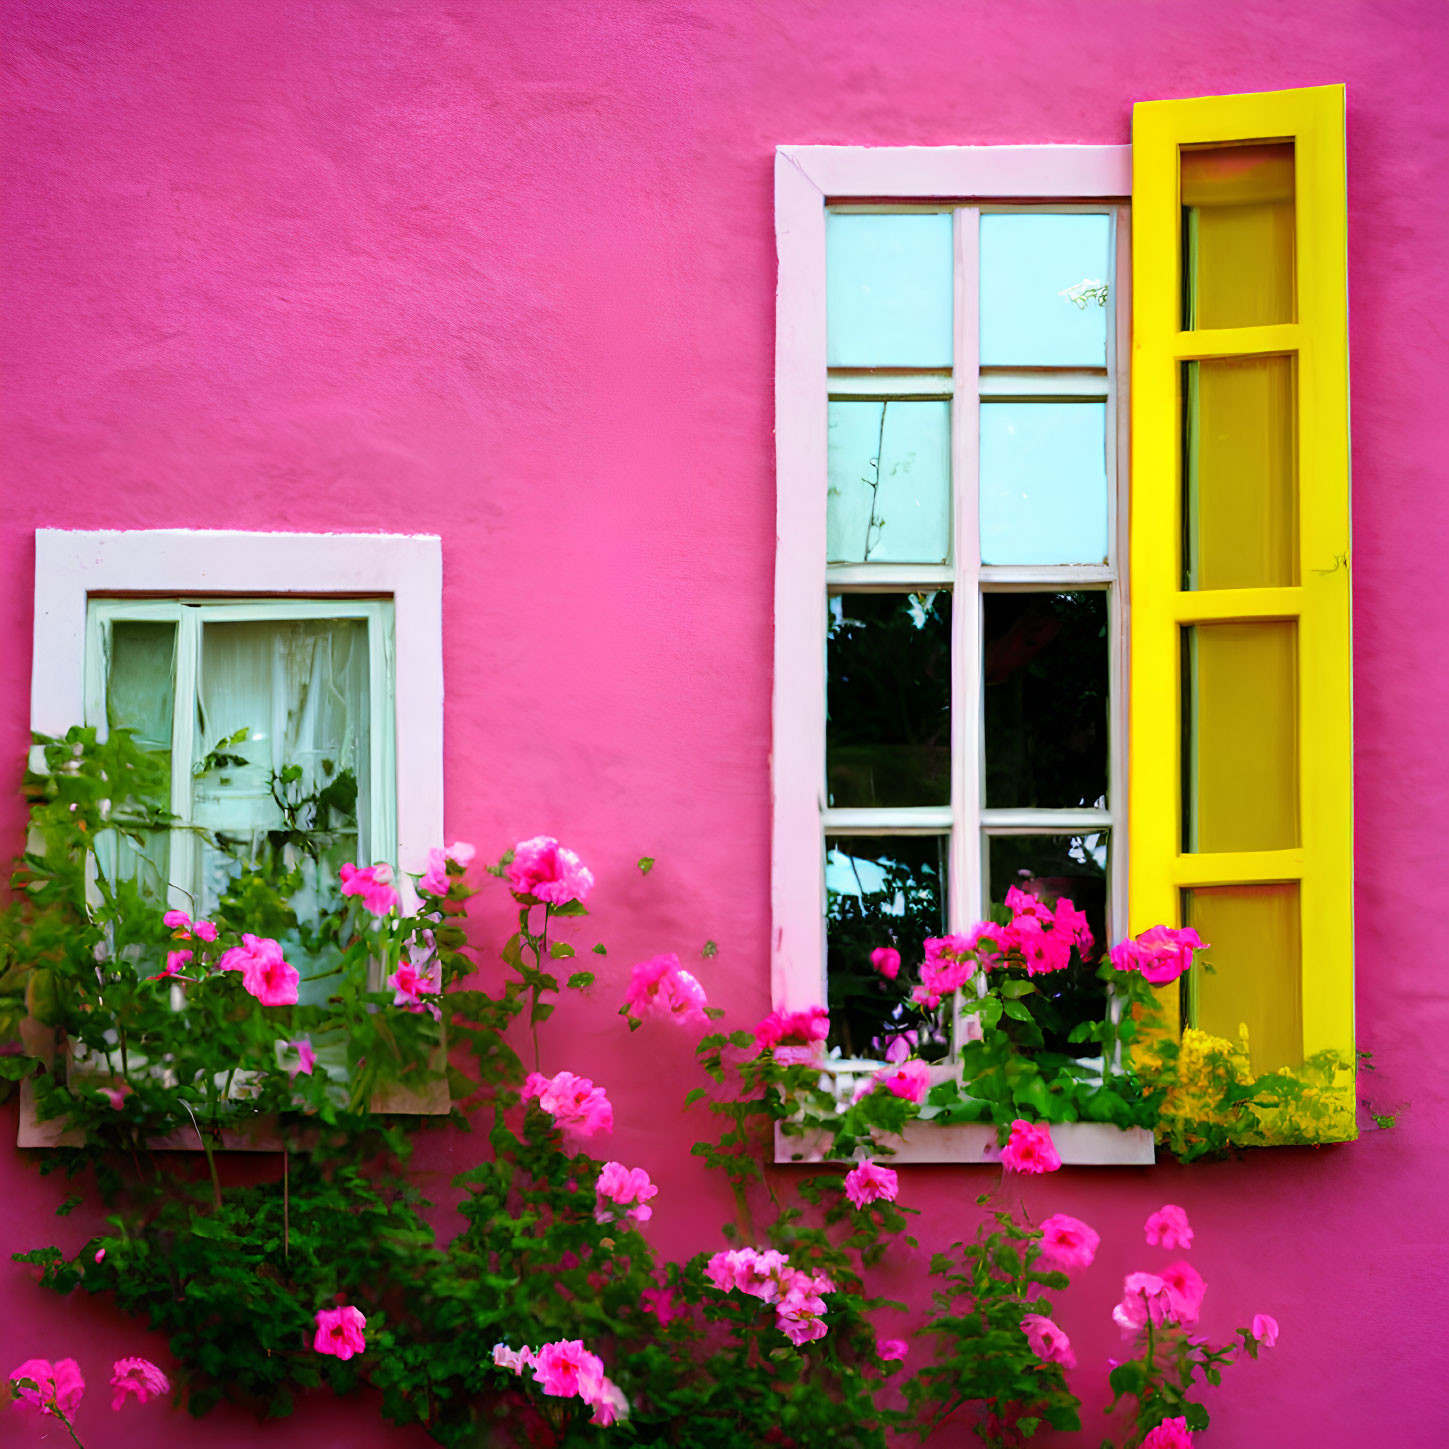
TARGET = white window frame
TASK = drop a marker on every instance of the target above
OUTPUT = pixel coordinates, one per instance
(72, 567)
(970, 179)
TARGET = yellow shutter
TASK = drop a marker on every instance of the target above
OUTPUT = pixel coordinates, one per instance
(1241, 812)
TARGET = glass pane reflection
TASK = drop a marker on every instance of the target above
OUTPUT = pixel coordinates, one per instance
(888, 290)
(1237, 235)
(1030, 261)
(1050, 867)
(1045, 682)
(888, 718)
(890, 480)
(1043, 482)
(881, 891)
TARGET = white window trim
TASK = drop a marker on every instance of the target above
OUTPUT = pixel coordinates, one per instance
(806, 178)
(72, 566)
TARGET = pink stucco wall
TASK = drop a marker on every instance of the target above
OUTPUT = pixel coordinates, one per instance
(504, 271)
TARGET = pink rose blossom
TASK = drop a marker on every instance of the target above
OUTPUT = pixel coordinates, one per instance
(579, 1109)
(1185, 1284)
(543, 869)
(566, 1369)
(373, 883)
(868, 1183)
(176, 920)
(1169, 1434)
(624, 1187)
(205, 931)
(660, 1302)
(886, 960)
(58, 1385)
(1047, 1341)
(910, 1081)
(1168, 1228)
(137, 1376)
(795, 1037)
(513, 1360)
(1030, 1148)
(264, 973)
(1144, 1296)
(1161, 953)
(1067, 1243)
(339, 1331)
(891, 1350)
(1265, 1329)
(306, 1058)
(663, 989)
(435, 881)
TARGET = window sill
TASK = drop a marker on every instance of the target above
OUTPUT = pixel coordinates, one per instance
(1081, 1144)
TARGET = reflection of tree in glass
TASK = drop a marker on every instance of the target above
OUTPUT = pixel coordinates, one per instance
(888, 725)
(1046, 692)
(1049, 867)
(895, 897)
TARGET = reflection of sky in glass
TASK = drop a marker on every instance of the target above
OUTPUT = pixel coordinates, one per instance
(896, 510)
(1043, 482)
(855, 875)
(1027, 261)
(888, 290)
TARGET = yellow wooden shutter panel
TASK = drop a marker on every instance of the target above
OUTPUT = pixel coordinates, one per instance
(1241, 811)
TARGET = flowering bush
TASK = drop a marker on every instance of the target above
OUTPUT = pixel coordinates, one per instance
(328, 1274)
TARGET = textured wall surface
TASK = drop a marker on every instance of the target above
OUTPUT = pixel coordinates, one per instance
(504, 271)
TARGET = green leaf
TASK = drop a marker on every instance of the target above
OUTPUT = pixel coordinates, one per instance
(1016, 1011)
(646, 864)
(601, 949)
(560, 950)
(580, 979)
(569, 908)
(1128, 1378)
(15, 1068)
(693, 1095)
(708, 950)
(1017, 988)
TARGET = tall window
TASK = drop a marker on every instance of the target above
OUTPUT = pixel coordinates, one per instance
(975, 622)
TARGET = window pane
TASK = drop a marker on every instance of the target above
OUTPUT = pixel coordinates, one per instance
(1053, 866)
(1240, 473)
(888, 721)
(880, 891)
(140, 689)
(1252, 933)
(296, 692)
(1045, 678)
(1028, 262)
(888, 283)
(1240, 736)
(1237, 232)
(1043, 483)
(890, 482)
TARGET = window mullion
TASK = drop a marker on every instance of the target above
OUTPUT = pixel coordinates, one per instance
(184, 893)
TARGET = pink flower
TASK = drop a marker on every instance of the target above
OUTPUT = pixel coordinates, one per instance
(137, 1376)
(1047, 1341)
(662, 988)
(795, 1037)
(205, 931)
(1169, 1434)
(910, 1081)
(899, 1045)
(1161, 953)
(868, 1183)
(264, 973)
(116, 1096)
(608, 1403)
(579, 1109)
(626, 1187)
(373, 883)
(175, 964)
(720, 1270)
(801, 1322)
(949, 965)
(434, 881)
(514, 1360)
(1265, 1329)
(176, 920)
(1067, 1243)
(1030, 1148)
(339, 1331)
(100, 1255)
(306, 1058)
(890, 1350)
(1185, 1284)
(886, 960)
(420, 975)
(1168, 1227)
(1144, 1296)
(58, 1386)
(567, 1369)
(543, 869)
(761, 1274)
(660, 1302)
(1042, 950)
